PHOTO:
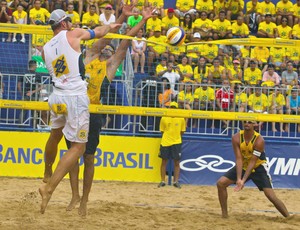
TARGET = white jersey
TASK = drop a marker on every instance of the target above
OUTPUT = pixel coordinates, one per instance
(65, 66)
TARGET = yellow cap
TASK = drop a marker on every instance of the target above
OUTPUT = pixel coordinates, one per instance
(174, 104)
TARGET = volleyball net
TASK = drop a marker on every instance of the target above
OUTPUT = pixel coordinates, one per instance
(135, 104)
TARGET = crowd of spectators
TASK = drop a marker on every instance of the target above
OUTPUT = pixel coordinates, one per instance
(200, 76)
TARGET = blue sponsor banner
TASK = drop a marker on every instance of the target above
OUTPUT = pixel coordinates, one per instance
(204, 162)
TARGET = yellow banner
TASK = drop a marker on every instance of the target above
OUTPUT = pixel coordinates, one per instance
(116, 158)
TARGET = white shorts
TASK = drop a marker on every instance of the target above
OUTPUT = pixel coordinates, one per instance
(76, 120)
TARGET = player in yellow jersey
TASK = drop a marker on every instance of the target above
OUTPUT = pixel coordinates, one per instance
(101, 66)
(172, 129)
(251, 163)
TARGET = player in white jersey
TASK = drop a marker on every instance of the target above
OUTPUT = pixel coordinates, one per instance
(69, 101)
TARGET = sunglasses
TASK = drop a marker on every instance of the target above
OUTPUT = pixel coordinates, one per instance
(108, 8)
(68, 19)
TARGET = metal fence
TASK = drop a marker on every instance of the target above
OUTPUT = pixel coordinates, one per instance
(151, 92)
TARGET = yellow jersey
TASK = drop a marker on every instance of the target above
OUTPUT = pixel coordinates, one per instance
(249, 6)
(198, 76)
(278, 54)
(293, 53)
(267, 27)
(168, 23)
(285, 7)
(278, 100)
(39, 15)
(296, 30)
(216, 74)
(194, 51)
(266, 8)
(182, 95)
(206, 6)
(234, 5)
(74, 17)
(158, 48)
(240, 29)
(172, 127)
(184, 5)
(88, 19)
(204, 96)
(210, 51)
(258, 103)
(261, 54)
(160, 68)
(284, 32)
(185, 69)
(240, 98)
(221, 26)
(252, 76)
(206, 24)
(18, 15)
(247, 150)
(296, 10)
(96, 74)
(219, 5)
(156, 3)
(152, 24)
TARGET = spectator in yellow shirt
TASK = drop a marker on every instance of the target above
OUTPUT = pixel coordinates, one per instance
(222, 27)
(240, 98)
(183, 7)
(217, 72)
(159, 5)
(203, 25)
(73, 15)
(38, 15)
(265, 8)
(90, 18)
(156, 51)
(186, 69)
(169, 21)
(267, 29)
(296, 31)
(194, 50)
(153, 23)
(261, 55)
(234, 9)
(201, 70)
(186, 97)
(278, 57)
(19, 17)
(210, 51)
(204, 97)
(284, 8)
(187, 26)
(161, 67)
(296, 10)
(293, 54)
(252, 74)
(252, 9)
(284, 31)
(240, 29)
(219, 5)
(206, 6)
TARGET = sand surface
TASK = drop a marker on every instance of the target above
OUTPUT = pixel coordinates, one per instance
(124, 205)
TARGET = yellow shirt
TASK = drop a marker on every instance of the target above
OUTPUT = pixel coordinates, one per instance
(185, 96)
(185, 69)
(74, 16)
(245, 52)
(140, 4)
(285, 7)
(252, 76)
(260, 54)
(96, 72)
(284, 32)
(279, 100)
(240, 29)
(259, 103)
(234, 6)
(206, 24)
(40, 39)
(240, 98)
(269, 28)
(210, 51)
(88, 19)
(296, 30)
(18, 16)
(40, 14)
(278, 54)
(158, 48)
(152, 24)
(247, 150)
(167, 22)
(204, 95)
(194, 51)
(206, 6)
(216, 73)
(177, 50)
(219, 6)
(249, 6)
(199, 76)
(160, 68)
(293, 53)
(221, 26)
(265, 8)
(171, 128)
(156, 3)
(296, 10)
(184, 5)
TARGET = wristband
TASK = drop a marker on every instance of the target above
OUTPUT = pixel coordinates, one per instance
(92, 33)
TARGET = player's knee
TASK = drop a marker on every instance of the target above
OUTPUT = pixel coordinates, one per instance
(221, 183)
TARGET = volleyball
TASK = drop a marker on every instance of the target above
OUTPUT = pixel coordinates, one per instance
(175, 36)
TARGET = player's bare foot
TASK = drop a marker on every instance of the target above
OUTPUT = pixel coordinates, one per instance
(225, 216)
(45, 198)
(74, 201)
(82, 210)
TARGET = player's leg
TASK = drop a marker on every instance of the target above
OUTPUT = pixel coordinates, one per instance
(88, 177)
(164, 155)
(279, 205)
(74, 182)
(51, 152)
(222, 184)
(66, 163)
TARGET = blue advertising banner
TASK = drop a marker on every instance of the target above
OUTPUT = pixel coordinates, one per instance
(204, 162)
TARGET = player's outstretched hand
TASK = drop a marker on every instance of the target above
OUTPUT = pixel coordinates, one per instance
(114, 26)
(239, 186)
(127, 10)
(148, 12)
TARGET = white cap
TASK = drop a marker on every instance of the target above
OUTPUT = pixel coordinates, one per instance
(197, 35)
(57, 16)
